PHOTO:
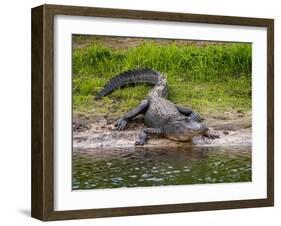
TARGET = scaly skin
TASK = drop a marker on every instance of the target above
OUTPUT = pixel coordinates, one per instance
(162, 117)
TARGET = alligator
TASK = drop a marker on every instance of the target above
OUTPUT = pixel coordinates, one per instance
(162, 117)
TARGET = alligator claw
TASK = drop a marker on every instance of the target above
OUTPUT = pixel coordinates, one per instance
(121, 123)
(210, 136)
(140, 142)
(196, 117)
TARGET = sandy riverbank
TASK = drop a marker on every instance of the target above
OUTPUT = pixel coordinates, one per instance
(234, 129)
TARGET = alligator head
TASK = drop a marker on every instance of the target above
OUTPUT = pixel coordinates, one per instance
(184, 129)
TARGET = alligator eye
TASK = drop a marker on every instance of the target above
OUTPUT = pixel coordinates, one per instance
(188, 119)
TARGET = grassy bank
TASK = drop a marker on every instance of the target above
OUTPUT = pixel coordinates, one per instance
(207, 77)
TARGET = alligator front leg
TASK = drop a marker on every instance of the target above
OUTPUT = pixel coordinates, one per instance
(143, 135)
(121, 123)
(189, 113)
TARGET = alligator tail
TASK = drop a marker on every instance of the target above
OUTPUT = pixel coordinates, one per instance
(128, 78)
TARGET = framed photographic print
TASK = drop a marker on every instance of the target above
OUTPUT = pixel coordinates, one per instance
(141, 112)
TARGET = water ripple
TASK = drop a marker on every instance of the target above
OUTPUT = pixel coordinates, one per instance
(139, 167)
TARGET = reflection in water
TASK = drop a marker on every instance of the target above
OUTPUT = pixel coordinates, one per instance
(147, 166)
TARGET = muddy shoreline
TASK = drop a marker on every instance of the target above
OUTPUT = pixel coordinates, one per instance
(234, 129)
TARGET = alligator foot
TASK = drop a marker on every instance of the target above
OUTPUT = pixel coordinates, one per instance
(210, 136)
(196, 117)
(140, 142)
(142, 139)
(121, 123)
(189, 113)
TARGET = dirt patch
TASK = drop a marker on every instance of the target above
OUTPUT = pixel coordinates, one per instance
(233, 129)
(130, 42)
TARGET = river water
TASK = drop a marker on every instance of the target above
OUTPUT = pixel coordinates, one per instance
(150, 166)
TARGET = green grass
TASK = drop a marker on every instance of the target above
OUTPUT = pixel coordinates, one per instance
(209, 78)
